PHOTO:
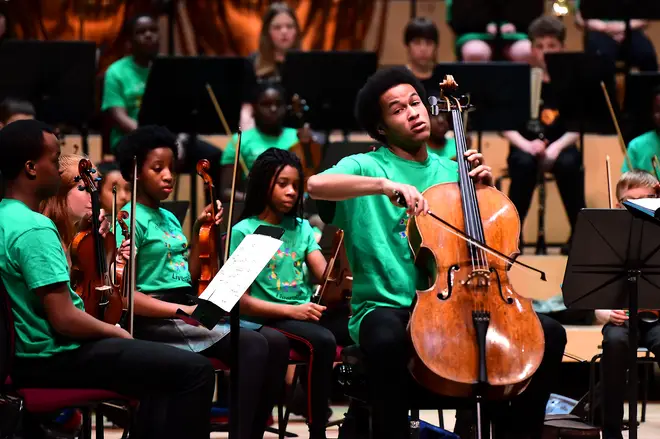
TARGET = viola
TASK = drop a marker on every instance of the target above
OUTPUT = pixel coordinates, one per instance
(208, 235)
(337, 281)
(90, 253)
(472, 334)
(120, 264)
(308, 151)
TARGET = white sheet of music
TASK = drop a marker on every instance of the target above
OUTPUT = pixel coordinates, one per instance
(240, 270)
(648, 203)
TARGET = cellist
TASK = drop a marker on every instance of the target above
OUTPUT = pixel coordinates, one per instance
(361, 200)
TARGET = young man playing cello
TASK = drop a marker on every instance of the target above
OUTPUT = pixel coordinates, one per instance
(361, 191)
(59, 345)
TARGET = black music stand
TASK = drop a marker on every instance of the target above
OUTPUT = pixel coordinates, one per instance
(614, 263)
(499, 91)
(638, 103)
(621, 10)
(57, 77)
(329, 82)
(474, 16)
(176, 97)
(575, 80)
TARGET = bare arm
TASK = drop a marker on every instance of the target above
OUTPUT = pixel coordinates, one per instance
(147, 306)
(516, 139)
(121, 120)
(317, 263)
(339, 187)
(568, 139)
(70, 321)
(261, 308)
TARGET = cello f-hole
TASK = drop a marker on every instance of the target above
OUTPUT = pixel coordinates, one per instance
(507, 300)
(450, 281)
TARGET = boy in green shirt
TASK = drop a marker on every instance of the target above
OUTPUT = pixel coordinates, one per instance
(124, 86)
(364, 189)
(642, 149)
(59, 345)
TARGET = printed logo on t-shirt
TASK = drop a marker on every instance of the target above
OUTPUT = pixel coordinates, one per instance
(403, 224)
(286, 287)
(177, 254)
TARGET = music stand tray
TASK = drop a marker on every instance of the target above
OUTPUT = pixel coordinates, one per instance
(57, 77)
(575, 79)
(614, 263)
(499, 91)
(329, 82)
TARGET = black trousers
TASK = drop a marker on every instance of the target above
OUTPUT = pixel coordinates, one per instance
(615, 364)
(321, 345)
(642, 54)
(568, 172)
(175, 387)
(386, 344)
(263, 360)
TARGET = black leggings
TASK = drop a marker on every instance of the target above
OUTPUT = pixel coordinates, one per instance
(321, 345)
(175, 387)
(386, 343)
(263, 360)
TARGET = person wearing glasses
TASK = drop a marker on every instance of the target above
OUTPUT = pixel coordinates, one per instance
(632, 185)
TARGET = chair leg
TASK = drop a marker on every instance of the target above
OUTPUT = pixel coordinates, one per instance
(287, 411)
(86, 432)
(99, 421)
(645, 389)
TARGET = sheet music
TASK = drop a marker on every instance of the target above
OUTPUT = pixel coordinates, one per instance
(240, 270)
(647, 203)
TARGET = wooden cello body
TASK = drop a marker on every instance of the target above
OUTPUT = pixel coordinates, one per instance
(472, 334)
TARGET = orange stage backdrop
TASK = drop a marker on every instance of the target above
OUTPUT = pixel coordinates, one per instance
(214, 27)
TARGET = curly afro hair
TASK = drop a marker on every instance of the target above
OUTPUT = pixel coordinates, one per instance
(138, 143)
(367, 105)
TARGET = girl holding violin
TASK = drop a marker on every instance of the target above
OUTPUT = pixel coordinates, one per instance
(280, 296)
(58, 344)
(363, 195)
(165, 267)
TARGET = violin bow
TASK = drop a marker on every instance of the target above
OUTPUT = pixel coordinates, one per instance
(133, 253)
(221, 115)
(622, 143)
(451, 229)
(609, 180)
(654, 165)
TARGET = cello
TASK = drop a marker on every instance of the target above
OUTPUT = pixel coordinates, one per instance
(90, 253)
(472, 334)
(308, 151)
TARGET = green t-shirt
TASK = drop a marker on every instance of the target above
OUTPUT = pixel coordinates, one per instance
(254, 143)
(641, 150)
(283, 280)
(448, 151)
(162, 250)
(123, 87)
(31, 256)
(384, 273)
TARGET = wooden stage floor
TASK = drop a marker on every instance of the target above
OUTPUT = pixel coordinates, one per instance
(648, 430)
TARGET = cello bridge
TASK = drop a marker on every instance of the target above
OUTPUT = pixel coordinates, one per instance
(479, 278)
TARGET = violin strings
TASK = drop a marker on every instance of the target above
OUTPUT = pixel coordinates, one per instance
(464, 178)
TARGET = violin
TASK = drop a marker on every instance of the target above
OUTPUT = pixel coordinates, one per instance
(337, 282)
(472, 334)
(208, 233)
(308, 151)
(90, 253)
(120, 277)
